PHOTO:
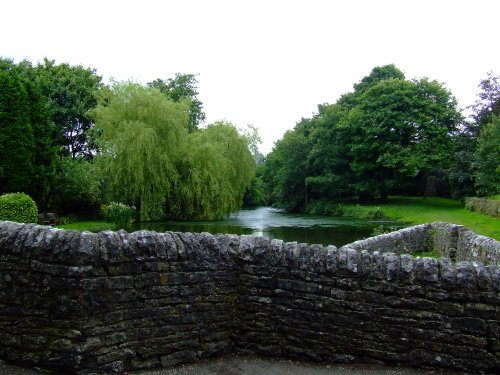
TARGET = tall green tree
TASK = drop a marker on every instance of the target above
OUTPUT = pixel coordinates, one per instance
(150, 160)
(72, 92)
(486, 105)
(17, 142)
(214, 174)
(183, 87)
(27, 151)
(372, 141)
(286, 169)
(487, 161)
(42, 185)
(330, 172)
(462, 172)
(254, 195)
(399, 129)
(377, 75)
(142, 135)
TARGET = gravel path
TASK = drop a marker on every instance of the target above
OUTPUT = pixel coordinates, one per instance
(242, 365)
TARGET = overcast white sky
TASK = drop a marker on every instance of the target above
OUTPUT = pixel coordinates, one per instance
(267, 63)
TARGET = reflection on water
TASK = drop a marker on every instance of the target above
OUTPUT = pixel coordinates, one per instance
(272, 223)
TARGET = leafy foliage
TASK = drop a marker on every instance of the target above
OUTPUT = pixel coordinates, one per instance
(377, 75)
(71, 92)
(486, 105)
(17, 141)
(399, 129)
(373, 141)
(183, 88)
(214, 174)
(79, 186)
(487, 164)
(119, 214)
(254, 195)
(286, 169)
(151, 160)
(463, 171)
(325, 207)
(27, 151)
(18, 207)
(142, 135)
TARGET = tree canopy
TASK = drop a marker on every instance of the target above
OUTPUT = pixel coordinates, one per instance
(183, 87)
(486, 105)
(373, 141)
(27, 149)
(214, 174)
(71, 92)
(141, 137)
(487, 161)
(151, 161)
(389, 135)
(463, 172)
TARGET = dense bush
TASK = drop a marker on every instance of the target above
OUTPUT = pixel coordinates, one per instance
(364, 212)
(487, 159)
(18, 207)
(325, 207)
(254, 195)
(79, 187)
(119, 214)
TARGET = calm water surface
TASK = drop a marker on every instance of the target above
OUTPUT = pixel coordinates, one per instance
(273, 223)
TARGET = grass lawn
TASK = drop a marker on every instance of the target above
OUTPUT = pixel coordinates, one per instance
(91, 226)
(418, 210)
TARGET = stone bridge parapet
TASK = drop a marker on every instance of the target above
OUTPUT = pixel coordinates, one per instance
(79, 302)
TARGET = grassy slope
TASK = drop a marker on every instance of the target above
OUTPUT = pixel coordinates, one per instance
(426, 210)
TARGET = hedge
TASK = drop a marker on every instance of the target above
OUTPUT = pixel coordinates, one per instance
(18, 207)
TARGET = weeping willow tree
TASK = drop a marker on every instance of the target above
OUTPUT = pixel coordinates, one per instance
(213, 175)
(141, 136)
(149, 159)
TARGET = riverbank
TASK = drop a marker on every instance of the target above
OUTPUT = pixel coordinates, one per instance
(267, 222)
(351, 223)
(419, 210)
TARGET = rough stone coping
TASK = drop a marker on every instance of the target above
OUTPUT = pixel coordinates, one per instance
(78, 252)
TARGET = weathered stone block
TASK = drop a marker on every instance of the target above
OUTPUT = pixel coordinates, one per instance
(331, 259)
(348, 260)
(494, 272)
(378, 271)
(465, 275)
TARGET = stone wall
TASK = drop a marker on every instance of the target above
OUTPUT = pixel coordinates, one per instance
(113, 301)
(451, 241)
(410, 240)
(485, 206)
(461, 244)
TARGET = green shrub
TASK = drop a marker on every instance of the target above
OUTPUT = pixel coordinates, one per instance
(119, 214)
(324, 207)
(363, 212)
(18, 207)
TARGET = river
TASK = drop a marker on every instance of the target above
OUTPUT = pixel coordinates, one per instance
(273, 223)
